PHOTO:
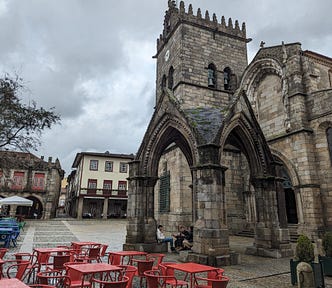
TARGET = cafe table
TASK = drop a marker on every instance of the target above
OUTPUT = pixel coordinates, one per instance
(91, 268)
(191, 269)
(43, 254)
(122, 254)
(12, 283)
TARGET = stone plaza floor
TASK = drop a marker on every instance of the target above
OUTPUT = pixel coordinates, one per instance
(252, 272)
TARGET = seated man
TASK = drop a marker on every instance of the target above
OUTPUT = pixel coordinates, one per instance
(161, 237)
(187, 243)
(183, 234)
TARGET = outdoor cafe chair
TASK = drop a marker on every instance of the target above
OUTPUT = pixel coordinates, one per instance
(202, 282)
(129, 271)
(89, 254)
(155, 279)
(142, 266)
(114, 259)
(166, 271)
(53, 278)
(76, 277)
(158, 259)
(16, 270)
(118, 283)
(102, 252)
(59, 261)
(3, 252)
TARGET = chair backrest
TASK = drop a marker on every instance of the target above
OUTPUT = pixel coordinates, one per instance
(222, 282)
(20, 269)
(158, 258)
(166, 271)
(3, 252)
(129, 271)
(143, 265)
(53, 277)
(120, 283)
(215, 274)
(154, 279)
(114, 259)
(103, 250)
(59, 261)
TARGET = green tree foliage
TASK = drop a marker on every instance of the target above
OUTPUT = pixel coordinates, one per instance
(20, 124)
(327, 244)
(304, 249)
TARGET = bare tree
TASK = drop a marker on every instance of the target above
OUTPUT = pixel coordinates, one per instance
(20, 124)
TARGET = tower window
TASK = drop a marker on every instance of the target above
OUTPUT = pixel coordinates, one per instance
(329, 141)
(163, 82)
(170, 78)
(227, 78)
(212, 76)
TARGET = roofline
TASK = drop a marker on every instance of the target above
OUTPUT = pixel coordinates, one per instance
(98, 154)
(317, 56)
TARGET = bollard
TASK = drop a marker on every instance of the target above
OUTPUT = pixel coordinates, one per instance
(305, 275)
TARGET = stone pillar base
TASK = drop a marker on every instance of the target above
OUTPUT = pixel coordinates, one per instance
(147, 247)
(217, 261)
(272, 253)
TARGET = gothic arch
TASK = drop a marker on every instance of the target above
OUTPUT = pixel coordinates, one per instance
(242, 134)
(169, 129)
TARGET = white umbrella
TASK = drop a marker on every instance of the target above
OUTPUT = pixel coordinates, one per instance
(16, 200)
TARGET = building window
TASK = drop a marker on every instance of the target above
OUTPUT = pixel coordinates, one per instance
(329, 141)
(330, 77)
(107, 186)
(123, 167)
(122, 185)
(164, 192)
(94, 165)
(108, 166)
(18, 180)
(227, 78)
(171, 78)
(92, 186)
(212, 76)
(38, 181)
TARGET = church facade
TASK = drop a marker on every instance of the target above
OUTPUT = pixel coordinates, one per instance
(232, 147)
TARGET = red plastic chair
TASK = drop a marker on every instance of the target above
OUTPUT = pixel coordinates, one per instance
(119, 283)
(142, 266)
(158, 259)
(154, 279)
(17, 270)
(3, 252)
(129, 271)
(53, 278)
(89, 254)
(59, 261)
(114, 259)
(76, 277)
(102, 253)
(166, 271)
(202, 282)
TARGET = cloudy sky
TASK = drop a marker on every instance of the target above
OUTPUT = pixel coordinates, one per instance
(92, 59)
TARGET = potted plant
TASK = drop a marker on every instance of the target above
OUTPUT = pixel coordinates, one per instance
(327, 258)
(304, 253)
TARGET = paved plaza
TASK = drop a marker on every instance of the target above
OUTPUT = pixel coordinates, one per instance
(252, 272)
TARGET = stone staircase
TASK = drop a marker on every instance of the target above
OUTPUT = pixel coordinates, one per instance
(293, 232)
(246, 233)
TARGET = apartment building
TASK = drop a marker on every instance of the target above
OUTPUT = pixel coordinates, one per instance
(97, 187)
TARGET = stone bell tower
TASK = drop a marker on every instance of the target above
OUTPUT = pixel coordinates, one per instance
(199, 58)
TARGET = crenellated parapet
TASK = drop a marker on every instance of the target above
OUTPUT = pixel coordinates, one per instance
(176, 15)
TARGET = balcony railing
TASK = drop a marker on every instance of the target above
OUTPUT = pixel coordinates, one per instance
(104, 192)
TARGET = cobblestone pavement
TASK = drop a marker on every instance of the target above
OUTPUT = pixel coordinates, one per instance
(252, 272)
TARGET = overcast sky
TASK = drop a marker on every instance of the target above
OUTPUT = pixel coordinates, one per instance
(92, 59)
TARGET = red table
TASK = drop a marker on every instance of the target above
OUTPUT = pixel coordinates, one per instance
(129, 254)
(43, 254)
(191, 268)
(12, 283)
(91, 268)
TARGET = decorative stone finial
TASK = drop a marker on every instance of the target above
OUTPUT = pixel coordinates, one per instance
(262, 44)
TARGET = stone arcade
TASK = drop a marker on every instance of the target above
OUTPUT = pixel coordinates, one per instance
(233, 148)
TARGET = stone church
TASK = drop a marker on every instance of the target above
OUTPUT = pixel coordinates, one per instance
(233, 148)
